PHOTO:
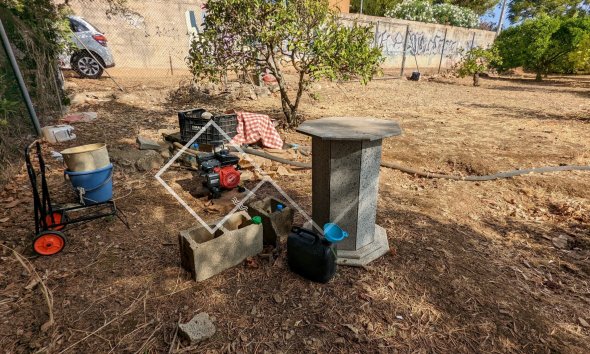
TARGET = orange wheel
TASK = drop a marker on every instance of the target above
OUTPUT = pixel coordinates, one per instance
(48, 243)
(53, 219)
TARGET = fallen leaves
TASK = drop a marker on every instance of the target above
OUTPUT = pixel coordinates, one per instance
(352, 328)
(12, 204)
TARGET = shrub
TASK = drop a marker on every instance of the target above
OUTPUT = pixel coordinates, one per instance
(477, 61)
(249, 35)
(425, 11)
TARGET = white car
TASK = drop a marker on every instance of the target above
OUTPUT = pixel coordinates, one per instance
(91, 53)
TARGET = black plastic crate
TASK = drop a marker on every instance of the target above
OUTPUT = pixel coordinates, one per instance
(191, 123)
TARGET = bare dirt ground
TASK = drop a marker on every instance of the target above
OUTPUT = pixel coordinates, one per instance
(474, 267)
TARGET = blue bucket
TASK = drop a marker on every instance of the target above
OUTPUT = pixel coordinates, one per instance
(334, 233)
(94, 186)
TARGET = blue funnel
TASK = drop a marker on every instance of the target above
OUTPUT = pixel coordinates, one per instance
(334, 233)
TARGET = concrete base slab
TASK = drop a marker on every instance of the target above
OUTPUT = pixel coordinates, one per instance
(366, 254)
(363, 255)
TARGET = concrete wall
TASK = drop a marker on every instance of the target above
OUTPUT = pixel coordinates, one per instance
(155, 34)
(433, 45)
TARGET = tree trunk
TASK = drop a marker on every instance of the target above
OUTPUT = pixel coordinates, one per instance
(539, 76)
(476, 79)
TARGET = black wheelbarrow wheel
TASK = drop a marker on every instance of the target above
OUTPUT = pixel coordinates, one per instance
(48, 243)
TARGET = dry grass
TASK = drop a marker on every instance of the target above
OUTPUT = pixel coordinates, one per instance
(472, 269)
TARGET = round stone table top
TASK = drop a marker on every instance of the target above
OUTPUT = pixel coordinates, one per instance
(350, 128)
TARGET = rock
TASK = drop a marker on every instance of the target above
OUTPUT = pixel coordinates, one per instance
(147, 144)
(197, 329)
(149, 161)
(262, 91)
(274, 88)
(561, 241)
(165, 153)
(305, 151)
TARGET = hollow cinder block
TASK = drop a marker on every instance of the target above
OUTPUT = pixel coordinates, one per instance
(204, 254)
(275, 223)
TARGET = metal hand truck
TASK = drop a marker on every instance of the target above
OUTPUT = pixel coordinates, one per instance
(51, 220)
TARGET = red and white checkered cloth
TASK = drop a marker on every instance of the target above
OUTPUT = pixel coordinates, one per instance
(254, 127)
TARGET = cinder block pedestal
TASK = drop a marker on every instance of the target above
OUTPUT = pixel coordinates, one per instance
(275, 223)
(205, 254)
(345, 181)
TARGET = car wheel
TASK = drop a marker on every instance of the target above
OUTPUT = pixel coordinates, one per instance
(86, 66)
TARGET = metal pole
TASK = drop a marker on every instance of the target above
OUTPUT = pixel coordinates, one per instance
(501, 20)
(21, 82)
(472, 41)
(442, 51)
(404, 51)
(361, 7)
(376, 33)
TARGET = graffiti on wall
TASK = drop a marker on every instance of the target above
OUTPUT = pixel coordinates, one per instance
(433, 44)
(418, 43)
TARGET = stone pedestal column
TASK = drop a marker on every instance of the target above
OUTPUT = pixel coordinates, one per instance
(346, 157)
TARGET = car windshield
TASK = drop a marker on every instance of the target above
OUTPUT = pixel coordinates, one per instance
(77, 26)
(93, 26)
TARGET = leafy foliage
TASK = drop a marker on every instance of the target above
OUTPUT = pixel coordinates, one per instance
(425, 11)
(250, 35)
(523, 9)
(477, 61)
(373, 7)
(380, 7)
(580, 57)
(480, 7)
(543, 45)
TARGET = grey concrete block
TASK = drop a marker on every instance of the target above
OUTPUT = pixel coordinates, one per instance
(205, 254)
(366, 254)
(147, 144)
(368, 192)
(275, 223)
(198, 328)
(345, 172)
(320, 177)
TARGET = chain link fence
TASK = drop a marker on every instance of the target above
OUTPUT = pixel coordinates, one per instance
(148, 35)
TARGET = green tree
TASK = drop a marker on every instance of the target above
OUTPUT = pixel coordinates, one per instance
(581, 56)
(543, 44)
(522, 9)
(304, 35)
(478, 61)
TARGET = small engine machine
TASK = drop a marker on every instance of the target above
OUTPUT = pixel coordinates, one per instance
(220, 169)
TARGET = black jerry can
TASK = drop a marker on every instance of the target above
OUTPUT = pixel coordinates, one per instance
(310, 255)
